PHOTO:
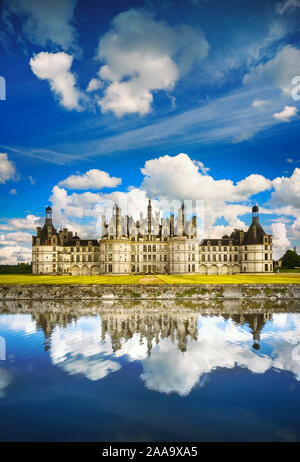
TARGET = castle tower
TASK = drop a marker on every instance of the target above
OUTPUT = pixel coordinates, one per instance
(256, 247)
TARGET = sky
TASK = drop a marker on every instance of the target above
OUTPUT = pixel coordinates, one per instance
(126, 100)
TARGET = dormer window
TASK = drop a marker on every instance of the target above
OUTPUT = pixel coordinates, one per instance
(77, 243)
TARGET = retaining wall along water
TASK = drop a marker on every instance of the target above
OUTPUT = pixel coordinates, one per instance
(150, 292)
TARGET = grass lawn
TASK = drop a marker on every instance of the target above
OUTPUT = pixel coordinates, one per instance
(283, 278)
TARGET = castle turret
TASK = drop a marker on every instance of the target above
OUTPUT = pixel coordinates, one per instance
(172, 225)
(117, 221)
(48, 216)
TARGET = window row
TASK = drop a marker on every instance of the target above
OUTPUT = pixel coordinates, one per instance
(218, 257)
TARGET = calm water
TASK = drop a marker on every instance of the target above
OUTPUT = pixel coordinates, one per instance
(170, 371)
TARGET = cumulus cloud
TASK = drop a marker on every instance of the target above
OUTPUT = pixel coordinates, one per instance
(7, 169)
(142, 56)
(11, 255)
(280, 241)
(29, 222)
(44, 22)
(179, 177)
(94, 84)
(92, 179)
(287, 190)
(56, 69)
(295, 228)
(15, 238)
(278, 71)
(286, 113)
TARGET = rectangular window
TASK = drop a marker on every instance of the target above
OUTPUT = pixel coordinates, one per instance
(266, 256)
(266, 267)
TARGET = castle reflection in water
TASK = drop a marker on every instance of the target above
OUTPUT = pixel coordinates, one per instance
(152, 323)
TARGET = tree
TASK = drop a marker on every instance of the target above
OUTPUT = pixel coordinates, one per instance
(290, 259)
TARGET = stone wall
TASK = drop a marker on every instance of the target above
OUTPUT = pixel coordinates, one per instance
(150, 292)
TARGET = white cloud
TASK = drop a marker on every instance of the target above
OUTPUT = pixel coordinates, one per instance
(292, 161)
(11, 255)
(15, 238)
(260, 103)
(280, 241)
(179, 177)
(44, 22)
(29, 222)
(92, 179)
(287, 6)
(286, 114)
(287, 190)
(94, 84)
(278, 71)
(55, 67)
(295, 228)
(13, 191)
(142, 56)
(7, 169)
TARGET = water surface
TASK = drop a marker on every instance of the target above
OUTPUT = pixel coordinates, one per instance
(150, 372)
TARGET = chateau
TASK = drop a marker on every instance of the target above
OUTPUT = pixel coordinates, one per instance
(151, 245)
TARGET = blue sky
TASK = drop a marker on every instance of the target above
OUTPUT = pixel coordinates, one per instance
(172, 100)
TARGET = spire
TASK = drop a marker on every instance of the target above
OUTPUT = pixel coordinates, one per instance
(182, 219)
(149, 216)
(117, 221)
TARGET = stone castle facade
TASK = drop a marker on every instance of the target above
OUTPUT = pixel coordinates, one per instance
(151, 245)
